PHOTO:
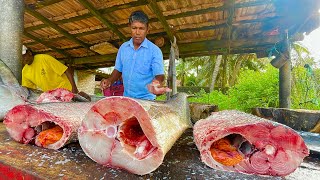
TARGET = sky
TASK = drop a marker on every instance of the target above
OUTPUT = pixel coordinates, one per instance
(312, 42)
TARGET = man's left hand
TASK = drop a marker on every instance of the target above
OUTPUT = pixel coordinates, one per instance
(156, 88)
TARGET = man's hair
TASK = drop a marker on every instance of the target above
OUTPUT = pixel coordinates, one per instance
(138, 16)
(29, 50)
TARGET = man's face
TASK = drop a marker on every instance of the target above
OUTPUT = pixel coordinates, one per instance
(138, 32)
(27, 58)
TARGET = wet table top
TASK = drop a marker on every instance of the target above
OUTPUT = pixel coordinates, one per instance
(181, 162)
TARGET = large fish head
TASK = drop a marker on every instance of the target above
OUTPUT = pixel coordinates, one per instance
(10, 97)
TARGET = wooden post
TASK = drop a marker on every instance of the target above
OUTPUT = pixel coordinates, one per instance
(285, 76)
(11, 28)
(174, 52)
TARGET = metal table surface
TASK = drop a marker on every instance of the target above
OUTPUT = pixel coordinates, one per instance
(19, 161)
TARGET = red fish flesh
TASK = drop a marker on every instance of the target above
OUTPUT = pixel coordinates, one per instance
(56, 95)
(60, 95)
(48, 125)
(236, 141)
(133, 134)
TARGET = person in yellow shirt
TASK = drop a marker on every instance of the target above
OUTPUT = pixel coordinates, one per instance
(45, 72)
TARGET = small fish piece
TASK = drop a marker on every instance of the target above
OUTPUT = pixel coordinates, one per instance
(60, 95)
(56, 95)
(240, 142)
(133, 134)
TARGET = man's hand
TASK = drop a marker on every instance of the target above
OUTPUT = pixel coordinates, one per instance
(85, 95)
(104, 84)
(156, 88)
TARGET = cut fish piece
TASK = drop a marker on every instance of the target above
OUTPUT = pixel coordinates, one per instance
(60, 95)
(56, 95)
(236, 141)
(35, 123)
(133, 134)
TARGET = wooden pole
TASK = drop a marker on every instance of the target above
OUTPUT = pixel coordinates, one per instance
(172, 78)
(285, 76)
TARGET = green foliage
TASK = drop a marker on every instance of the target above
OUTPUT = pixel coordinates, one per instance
(252, 82)
(215, 97)
(191, 80)
(255, 89)
(305, 90)
(161, 97)
(98, 93)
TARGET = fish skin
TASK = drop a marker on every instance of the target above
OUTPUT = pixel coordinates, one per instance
(7, 77)
(278, 149)
(11, 93)
(105, 134)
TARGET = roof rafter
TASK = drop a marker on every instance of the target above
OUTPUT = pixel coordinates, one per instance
(215, 47)
(230, 4)
(99, 16)
(56, 27)
(40, 4)
(155, 8)
(46, 44)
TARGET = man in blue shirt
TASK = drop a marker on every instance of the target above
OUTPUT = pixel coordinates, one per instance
(140, 62)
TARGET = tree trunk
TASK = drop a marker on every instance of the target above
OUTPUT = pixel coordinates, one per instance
(236, 69)
(215, 71)
(183, 76)
(224, 74)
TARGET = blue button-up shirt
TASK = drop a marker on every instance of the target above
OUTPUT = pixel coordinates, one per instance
(139, 67)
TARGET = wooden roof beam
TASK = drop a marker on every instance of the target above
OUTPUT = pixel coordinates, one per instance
(221, 52)
(46, 44)
(155, 8)
(43, 3)
(99, 16)
(95, 59)
(56, 27)
(221, 8)
(219, 46)
(230, 4)
(210, 45)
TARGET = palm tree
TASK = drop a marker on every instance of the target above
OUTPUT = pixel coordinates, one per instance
(222, 71)
(215, 70)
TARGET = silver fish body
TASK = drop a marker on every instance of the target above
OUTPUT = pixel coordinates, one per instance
(11, 93)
